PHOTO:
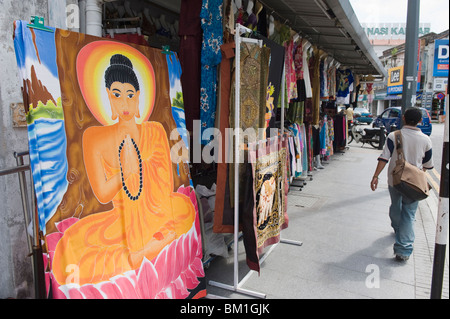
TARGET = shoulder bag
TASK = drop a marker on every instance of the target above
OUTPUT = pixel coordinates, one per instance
(408, 179)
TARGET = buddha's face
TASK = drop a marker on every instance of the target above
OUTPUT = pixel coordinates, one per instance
(124, 101)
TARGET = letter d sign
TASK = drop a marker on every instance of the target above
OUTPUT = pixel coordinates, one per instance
(443, 52)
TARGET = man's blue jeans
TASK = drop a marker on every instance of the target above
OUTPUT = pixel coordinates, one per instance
(403, 215)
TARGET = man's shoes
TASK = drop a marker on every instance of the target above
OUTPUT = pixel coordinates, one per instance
(401, 258)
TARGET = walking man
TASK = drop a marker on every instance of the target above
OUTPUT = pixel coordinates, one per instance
(417, 149)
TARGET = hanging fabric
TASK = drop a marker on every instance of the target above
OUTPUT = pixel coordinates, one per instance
(330, 137)
(305, 161)
(344, 82)
(305, 68)
(277, 54)
(270, 185)
(254, 79)
(190, 32)
(118, 213)
(211, 19)
(223, 209)
(291, 78)
(318, 54)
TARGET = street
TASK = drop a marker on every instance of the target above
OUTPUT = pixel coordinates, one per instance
(347, 238)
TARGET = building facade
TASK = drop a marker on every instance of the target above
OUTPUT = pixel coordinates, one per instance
(431, 78)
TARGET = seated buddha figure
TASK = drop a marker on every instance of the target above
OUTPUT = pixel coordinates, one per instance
(129, 165)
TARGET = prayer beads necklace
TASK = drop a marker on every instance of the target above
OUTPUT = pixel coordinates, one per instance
(125, 188)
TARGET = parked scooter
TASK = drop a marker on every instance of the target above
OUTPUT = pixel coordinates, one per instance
(376, 137)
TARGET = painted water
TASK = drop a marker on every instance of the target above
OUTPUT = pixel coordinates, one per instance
(47, 143)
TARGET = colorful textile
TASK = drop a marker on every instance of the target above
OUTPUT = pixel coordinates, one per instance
(310, 145)
(270, 196)
(330, 138)
(291, 77)
(345, 79)
(305, 166)
(306, 74)
(298, 149)
(316, 86)
(211, 19)
(298, 60)
(323, 136)
(295, 112)
(115, 203)
(331, 78)
(254, 76)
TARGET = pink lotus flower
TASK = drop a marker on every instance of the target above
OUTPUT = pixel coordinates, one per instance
(171, 274)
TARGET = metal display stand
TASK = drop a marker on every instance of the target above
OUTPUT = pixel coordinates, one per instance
(34, 247)
(237, 286)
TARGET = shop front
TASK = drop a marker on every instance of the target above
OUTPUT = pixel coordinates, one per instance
(139, 118)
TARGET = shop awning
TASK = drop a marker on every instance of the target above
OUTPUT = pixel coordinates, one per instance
(331, 25)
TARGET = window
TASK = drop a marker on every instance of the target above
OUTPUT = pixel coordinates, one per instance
(394, 113)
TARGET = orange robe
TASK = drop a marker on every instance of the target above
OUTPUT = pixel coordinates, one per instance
(110, 243)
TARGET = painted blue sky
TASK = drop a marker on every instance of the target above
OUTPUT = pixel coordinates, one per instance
(45, 42)
(46, 70)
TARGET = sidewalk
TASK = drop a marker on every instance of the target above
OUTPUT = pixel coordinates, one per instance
(347, 242)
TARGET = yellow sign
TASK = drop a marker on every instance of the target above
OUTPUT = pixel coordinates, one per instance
(395, 81)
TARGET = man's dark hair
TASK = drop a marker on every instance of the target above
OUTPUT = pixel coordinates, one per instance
(413, 116)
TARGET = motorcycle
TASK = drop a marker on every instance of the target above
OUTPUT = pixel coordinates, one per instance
(376, 137)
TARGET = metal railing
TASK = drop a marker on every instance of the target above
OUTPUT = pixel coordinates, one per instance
(29, 210)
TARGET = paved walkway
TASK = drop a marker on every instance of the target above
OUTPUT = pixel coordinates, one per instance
(347, 242)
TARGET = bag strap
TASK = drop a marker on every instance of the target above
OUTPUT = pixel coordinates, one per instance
(399, 144)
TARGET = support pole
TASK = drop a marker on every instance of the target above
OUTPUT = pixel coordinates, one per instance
(442, 219)
(237, 286)
(411, 47)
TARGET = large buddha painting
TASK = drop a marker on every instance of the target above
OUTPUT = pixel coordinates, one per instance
(117, 209)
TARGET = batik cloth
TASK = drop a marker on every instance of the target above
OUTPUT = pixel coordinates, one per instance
(270, 181)
(298, 60)
(254, 76)
(211, 21)
(316, 86)
(291, 76)
(303, 135)
(331, 79)
(330, 138)
(345, 79)
(115, 200)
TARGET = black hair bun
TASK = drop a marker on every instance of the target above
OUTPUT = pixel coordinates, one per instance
(120, 60)
(121, 70)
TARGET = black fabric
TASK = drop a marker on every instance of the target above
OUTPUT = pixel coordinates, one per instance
(316, 140)
(275, 75)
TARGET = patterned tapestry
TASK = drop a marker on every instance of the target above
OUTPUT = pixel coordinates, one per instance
(270, 188)
(118, 214)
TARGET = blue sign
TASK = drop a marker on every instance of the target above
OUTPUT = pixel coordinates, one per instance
(397, 89)
(441, 55)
